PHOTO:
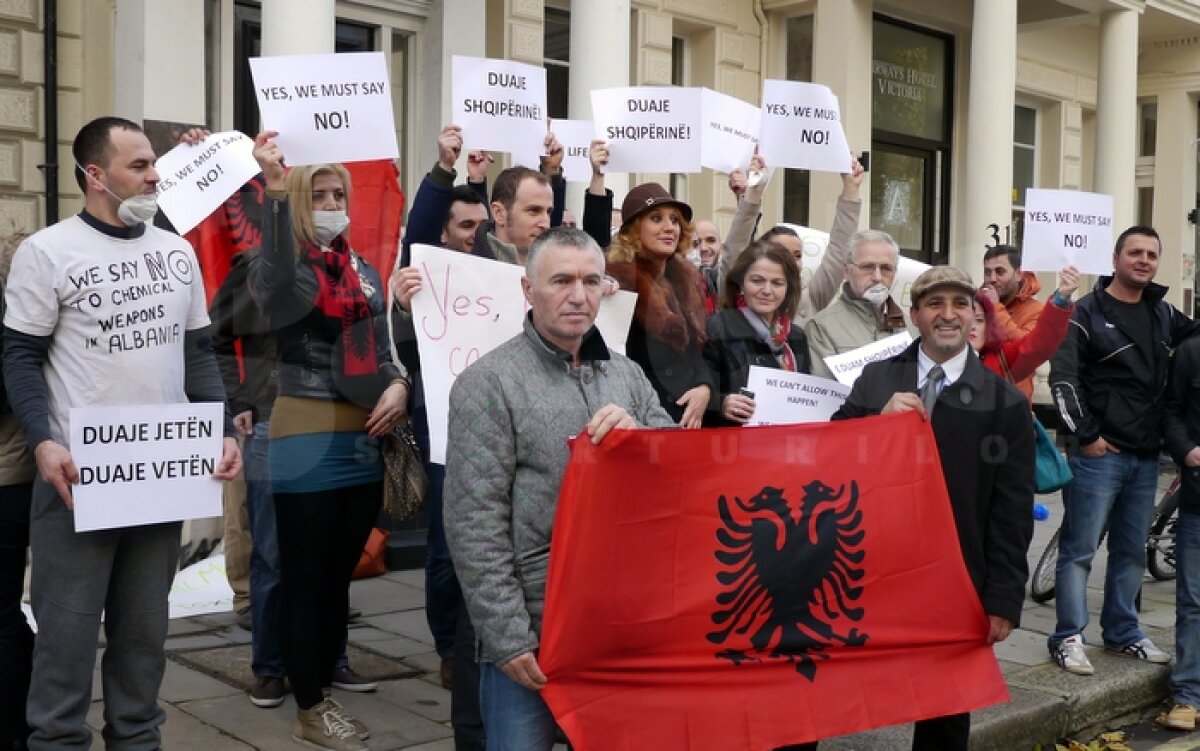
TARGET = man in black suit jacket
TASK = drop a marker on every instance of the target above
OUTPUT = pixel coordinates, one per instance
(985, 439)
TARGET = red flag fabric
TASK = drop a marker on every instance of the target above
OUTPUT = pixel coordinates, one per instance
(756, 587)
(375, 211)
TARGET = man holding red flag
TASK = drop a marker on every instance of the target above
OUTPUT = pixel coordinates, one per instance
(511, 416)
(985, 440)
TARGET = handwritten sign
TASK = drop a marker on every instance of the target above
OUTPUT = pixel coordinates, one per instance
(145, 464)
(195, 180)
(730, 128)
(327, 108)
(1067, 227)
(847, 366)
(785, 398)
(202, 587)
(802, 127)
(501, 105)
(649, 128)
(467, 307)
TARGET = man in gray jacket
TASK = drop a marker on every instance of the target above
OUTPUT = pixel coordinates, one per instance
(511, 416)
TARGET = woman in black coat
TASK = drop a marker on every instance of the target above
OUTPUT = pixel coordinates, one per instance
(754, 327)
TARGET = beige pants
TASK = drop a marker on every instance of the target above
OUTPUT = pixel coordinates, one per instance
(237, 541)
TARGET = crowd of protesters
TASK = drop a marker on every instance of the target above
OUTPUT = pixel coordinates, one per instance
(316, 332)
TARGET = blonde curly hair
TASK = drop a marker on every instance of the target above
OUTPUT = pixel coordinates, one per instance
(626, 245)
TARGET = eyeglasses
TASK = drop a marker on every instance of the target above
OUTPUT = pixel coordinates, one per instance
(871, 268)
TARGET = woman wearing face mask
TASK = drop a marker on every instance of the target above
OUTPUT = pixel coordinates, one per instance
(648, 256)
(754, 327)
(1017, 359)
(338, 391)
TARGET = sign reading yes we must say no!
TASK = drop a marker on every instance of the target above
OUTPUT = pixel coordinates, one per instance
(195, 180)
(1067, 227)
(327, 108)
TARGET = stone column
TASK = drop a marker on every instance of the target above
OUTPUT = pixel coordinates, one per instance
(988, 174)
(600, 31)
(841, 25)
(1116, 114)
(159, 68)
(297, 27)
(1174, 191)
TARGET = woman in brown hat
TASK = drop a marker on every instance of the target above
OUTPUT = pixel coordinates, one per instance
(646, 256)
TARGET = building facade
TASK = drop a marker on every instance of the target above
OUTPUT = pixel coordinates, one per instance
(962, 105)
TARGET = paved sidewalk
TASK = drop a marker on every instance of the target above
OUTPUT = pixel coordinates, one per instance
(208, 709)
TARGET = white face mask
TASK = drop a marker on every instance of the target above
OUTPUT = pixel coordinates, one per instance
(329, 224)
(136, 209)
(876, 294)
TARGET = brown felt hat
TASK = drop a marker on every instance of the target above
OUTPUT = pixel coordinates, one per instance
(940, 276)
(646, 196)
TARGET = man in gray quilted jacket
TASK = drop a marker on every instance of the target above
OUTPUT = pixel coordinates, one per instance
(511, 415)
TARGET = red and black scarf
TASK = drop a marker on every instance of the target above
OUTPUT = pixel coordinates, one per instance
(341, 300)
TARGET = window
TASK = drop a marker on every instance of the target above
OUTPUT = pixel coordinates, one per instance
(911, 103)
(556, 43)
(799, 68)
(1024, 166)
(1148, 127)
(678, 183)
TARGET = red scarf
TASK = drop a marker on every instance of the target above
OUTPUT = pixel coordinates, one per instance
(340, 298)
(776, 335)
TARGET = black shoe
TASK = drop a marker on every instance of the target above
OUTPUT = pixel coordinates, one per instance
(244, 619)
(268, 692)
(348, 680)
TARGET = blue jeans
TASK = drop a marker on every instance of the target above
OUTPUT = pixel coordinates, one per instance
(514, 718)
(267, 659)
(1114, 492)
(1185, 676)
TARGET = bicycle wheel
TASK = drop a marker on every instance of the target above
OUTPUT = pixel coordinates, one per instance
(1160, 548)
(1041, 585)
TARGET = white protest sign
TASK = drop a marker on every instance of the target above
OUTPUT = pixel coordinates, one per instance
(146, 464)
(327, 108)
(782, 397)
(802, 127)
(500, 105)
(195, 180)
(576, 137)
(1067, 228)
(649, 128)
(730, 131)
(202, 587)
(467, 307)
(847, 366)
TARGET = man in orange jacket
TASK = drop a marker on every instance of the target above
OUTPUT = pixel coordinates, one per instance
(1012, 292)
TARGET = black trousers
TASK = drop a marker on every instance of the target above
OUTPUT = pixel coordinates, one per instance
(465, 717)
(16, 639)
(321, 538)
(949, 733)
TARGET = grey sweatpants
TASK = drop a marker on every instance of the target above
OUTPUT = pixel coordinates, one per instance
(123, 573)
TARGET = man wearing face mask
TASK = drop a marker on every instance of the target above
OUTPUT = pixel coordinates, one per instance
(75, 295)
(865, 312)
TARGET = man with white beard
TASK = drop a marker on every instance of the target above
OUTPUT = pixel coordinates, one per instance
(865, 312)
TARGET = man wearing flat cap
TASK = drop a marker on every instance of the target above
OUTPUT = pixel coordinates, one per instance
(985, 439)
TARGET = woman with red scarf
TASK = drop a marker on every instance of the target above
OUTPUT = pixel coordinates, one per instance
(339, 391)
(754, 327)
(1017, 359)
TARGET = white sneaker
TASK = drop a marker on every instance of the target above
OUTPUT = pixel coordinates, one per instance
(1070, 656)
(1143, 649)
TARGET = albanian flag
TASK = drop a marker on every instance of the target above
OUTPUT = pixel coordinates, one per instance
(755, 587)
(376, 205)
